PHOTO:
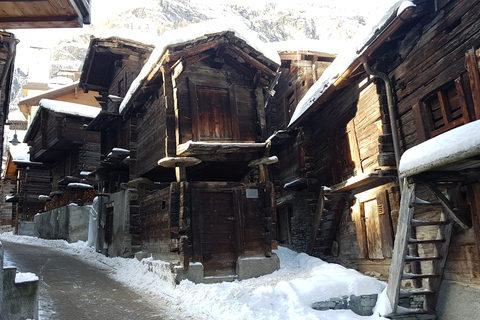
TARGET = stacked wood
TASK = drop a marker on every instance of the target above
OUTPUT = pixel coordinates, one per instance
(71, 196)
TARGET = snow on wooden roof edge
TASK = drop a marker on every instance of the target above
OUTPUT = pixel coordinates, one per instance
(342, 63)
(190, 33)
(445, 149)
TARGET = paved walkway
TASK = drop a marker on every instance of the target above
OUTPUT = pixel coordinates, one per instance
(73, 290)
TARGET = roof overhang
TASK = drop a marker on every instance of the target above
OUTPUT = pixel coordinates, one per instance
(24, 14)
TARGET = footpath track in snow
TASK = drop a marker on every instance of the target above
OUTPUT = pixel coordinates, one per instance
(72, 289)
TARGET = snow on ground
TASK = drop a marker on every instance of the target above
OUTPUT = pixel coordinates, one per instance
(285, 294)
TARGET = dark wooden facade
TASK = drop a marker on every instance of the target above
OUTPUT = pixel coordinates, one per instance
(62, 148)
(111, 65)
(204, 100)
(343, 139)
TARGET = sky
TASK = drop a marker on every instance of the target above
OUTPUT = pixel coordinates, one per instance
(286, 294)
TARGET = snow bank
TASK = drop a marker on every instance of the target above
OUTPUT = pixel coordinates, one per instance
(285, 294)
(449, 147)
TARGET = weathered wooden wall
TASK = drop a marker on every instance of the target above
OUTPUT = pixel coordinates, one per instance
(33, 182)
(244, 97)
(437, 78)
(151, 135)
(432, 55)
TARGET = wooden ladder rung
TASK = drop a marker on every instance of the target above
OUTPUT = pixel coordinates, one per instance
(419, 223)
(414, 259)
(417, 292)
(411, 276)
(421, 205)
(419, 241)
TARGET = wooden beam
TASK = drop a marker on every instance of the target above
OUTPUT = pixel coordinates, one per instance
(196, 49)
(252, 61)
(474, 76)
(447, 205)
(316, 221)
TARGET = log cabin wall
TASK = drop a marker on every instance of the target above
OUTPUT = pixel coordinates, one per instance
(151, 131)
(224, 86)
(437, 88)
(158, 217)
(33, 180)
(299, 71)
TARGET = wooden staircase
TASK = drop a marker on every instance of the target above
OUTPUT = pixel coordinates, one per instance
(328, 211)
(422, 241)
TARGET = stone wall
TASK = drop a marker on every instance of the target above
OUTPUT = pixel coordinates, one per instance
(19, 295)
(68, 223)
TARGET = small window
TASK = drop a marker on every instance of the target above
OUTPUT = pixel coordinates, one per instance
(446, 108)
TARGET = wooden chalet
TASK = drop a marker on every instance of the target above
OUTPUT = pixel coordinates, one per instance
(339, 194)
(195, 130)
(60, 150)
(44, 14)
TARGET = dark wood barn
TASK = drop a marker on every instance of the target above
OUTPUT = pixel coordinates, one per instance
(195, 130)
(62, 148)
(414, 79)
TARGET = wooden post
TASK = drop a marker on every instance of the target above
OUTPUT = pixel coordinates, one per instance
(262, 167)
(180, 164)
(473, 74)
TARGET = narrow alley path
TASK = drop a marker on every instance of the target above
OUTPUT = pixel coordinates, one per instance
(72, 289)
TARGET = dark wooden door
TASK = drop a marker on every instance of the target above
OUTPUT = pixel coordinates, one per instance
(215, 232)
(214, 114)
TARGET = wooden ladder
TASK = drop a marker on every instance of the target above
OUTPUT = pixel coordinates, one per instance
(328, 211)
(422, 241)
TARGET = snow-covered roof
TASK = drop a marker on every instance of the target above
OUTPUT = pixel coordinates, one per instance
(344, 61)
(20, 152)
(69, 108)
(74, 109)
(445, 149)
(195, 31)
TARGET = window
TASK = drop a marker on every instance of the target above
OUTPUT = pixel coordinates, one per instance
(446, 108)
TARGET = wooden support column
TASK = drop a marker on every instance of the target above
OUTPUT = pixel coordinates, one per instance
(474, 197)
(262, 167)
(474, 76)
(169, 94)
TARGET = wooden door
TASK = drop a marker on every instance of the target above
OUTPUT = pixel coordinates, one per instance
(214, 233)
(372, 228)
(214, 113)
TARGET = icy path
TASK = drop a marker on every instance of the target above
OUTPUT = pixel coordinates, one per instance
(72, 289)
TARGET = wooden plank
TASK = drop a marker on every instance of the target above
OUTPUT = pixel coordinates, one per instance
(447, 205)
(400, 248)
(316, 221)
(474, 197)
(471, 64)
(385, 223)
(235, 122)
(461, 99)
(359, 223)
(260, 107)
(355, 150)
(419, 118)
(369, 211)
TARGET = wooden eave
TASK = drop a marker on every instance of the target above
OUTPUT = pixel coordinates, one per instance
(101, 56)
(103, 120)
(381, 37)
(365, 181)
(221, 151)
(44, 14)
